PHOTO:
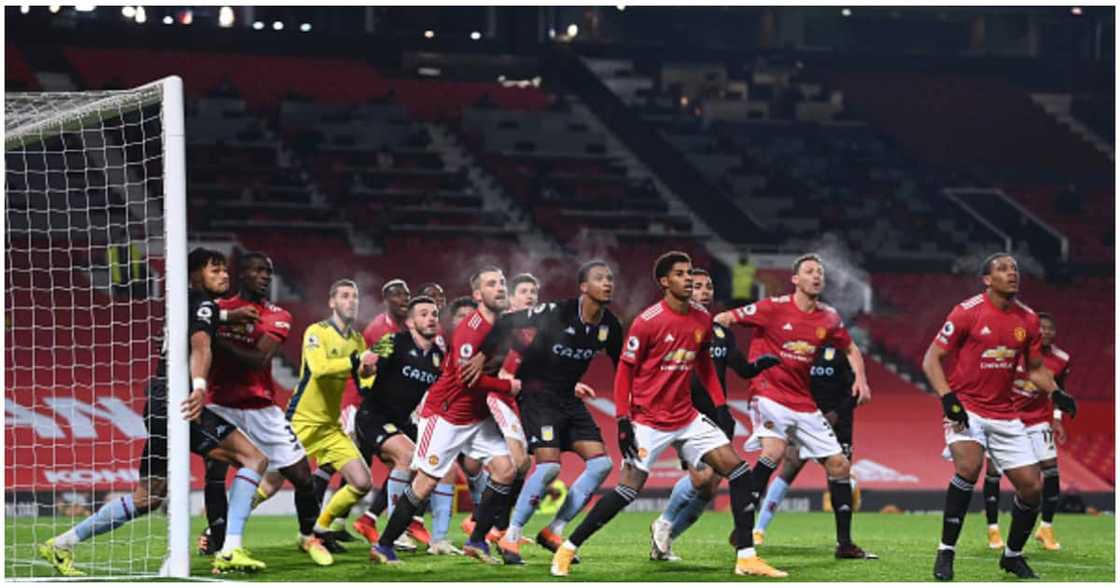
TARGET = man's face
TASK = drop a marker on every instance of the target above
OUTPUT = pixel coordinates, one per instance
(809, 278)
(491, 292)
(215, 278)
(425, 319)
(460, 313)
(256, 276)
(435, 292)
(679, 280)
(524, 296)
(1048, 330)
(396, 301)
(702, 289)
(1003, 278)
(599, 285)
(344, 303)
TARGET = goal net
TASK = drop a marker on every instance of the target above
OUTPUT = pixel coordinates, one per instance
(95, 276)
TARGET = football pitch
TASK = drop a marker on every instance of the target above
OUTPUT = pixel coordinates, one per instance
(800, 543)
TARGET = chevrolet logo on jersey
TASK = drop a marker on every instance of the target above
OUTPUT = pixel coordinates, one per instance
(800, 347)
(1000, 353)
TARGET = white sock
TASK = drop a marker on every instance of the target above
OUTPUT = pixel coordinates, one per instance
(949, 547)
(664, 520)
(557, 527)
(232, 542)
(994, 527)
(1045, 525)
(66, 540)
(570, 545)
(319, 529)
(745, 552)
(513, 534)
(1008, 553)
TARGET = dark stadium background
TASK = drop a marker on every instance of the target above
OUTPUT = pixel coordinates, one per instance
(905, 144)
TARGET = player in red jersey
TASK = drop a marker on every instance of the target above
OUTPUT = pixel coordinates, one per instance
(243, 393)
(461, 308)
(653, 402)
(455, 419)
(793, 327)
(989, 335)
(1037, 413)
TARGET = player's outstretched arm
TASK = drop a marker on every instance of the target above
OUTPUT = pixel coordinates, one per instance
(860, 389)
(200, 359)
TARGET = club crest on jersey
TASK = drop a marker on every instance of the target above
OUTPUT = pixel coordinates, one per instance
(547, 433)
(433, 460)
(465, 350)
(391, 428)
(829, 353)
(604, 332)
(435, 360)
(642, 452)
(821, 333)
(698, 335)
(1020, 334)
(719, 331)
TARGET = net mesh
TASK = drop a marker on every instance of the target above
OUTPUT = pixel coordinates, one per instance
(84, 319)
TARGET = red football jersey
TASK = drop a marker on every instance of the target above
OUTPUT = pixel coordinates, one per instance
(512, 362)
(448, 398)
(375, 330)
(1033, 405)
(794, 336)
(989, 344)
(663, 346)
(231, 382)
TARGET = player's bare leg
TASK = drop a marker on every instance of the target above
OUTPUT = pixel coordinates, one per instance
(689, 498)
(1051, 493)
(1027, 481)
(968, 459)
(791, 466)
(729, 465)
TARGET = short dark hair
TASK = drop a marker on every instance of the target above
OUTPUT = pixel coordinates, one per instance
(664, 264)
(1045, 316)
(699, 271)
(416, 300)
(585, 269)
(200, 257)
(342, 283)
(523, 279)
(427, 285)
(807, 257)
(986, 267)
(477, 276)
(394, 283)
(462, 301)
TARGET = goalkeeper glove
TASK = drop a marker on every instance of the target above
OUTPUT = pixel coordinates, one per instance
(725, 421)
(627, 444)
(384, 345)
(953, 409)
(1064, 402)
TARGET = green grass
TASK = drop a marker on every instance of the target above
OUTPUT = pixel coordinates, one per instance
(800, 543)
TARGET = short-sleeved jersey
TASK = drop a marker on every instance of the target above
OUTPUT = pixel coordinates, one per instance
(663, 345)
(831, 379)
(448, 398)
(380, 326)
(232, 383)
(324, 371)
(1033, 405)
(563, 347)
(988, 343)
(402, 378)
(203, 319)
(794, 336)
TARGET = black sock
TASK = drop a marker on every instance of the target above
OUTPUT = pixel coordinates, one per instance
(320, 481)
(502, 522)
(401, 519)
(217, 503)
(307, 508)
(609, 505)
(1022, 521)
(991, 497)
(381, 501)
(957, 498)
(840, 490)
(1051, 493)
(760, 478)
(743, 506)
(494, 502)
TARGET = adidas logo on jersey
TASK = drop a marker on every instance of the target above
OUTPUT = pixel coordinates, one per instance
(787, 327)
(985, 330)
(570, 331)
(669, 338)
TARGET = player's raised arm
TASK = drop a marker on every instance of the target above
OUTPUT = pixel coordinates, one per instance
(752, 315)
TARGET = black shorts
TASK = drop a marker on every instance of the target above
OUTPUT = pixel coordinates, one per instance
(556, 421)
(206, 434)
(843, 430)
(373, 427)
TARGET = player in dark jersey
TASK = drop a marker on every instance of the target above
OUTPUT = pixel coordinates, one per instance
(243, 393)
(210, 436)
(568, 334)
(831, 380)
(990, 334)
(692, 493)
(666, 343)
(1044, 427)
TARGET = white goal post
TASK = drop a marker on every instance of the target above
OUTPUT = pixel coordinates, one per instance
(95, 286)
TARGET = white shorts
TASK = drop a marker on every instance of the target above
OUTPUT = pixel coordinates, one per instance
(1042, 441)
(507, 419)
(346, 419)
(268, 430)
(809, 431)
(440, 442)
(1005, 440)
(692, 442)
